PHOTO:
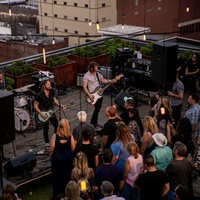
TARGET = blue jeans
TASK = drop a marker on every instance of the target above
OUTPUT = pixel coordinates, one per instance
(127, 192)
(171, 195)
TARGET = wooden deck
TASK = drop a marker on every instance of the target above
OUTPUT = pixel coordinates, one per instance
(32, 140)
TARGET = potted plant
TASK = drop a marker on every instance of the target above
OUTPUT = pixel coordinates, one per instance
(83, 57)
(20, 72)
(64, 70)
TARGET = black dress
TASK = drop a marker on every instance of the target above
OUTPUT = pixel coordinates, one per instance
(61, 165)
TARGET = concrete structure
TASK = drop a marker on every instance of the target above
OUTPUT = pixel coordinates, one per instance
(71, 18)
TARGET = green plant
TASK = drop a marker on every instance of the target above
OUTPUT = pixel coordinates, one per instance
(147, 49)
(19, 68)
(9, 83)
(187, 55)
(79, 51)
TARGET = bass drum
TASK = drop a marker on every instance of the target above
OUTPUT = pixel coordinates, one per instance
(22, 119)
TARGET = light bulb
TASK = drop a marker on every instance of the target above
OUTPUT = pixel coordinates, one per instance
(97, 25)
(122, 26)
(187, 9)
(44, 54)
(90, 23)
(53, 41)
(9, 11)
(144, 37)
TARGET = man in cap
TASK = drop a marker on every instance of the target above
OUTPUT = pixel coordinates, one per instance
(128, 103)
(162, 154)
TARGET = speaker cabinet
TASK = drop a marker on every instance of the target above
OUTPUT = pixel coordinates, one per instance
(164, 62)
(20, 164)
(7, 127)
(119, 100)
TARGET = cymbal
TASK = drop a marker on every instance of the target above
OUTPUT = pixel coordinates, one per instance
(21, 89)
(30, 85)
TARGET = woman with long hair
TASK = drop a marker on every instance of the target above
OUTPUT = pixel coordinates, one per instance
(61, 147)
(150, 127)
(8, 193)
(135, 125)
(164, 114)
(132, 168)
(118, 147)
(81, 169)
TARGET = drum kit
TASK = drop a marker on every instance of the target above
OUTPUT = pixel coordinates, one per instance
(23, 108)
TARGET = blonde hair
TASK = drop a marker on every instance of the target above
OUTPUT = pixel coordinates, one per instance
(166, 103)
(72, 191)
(133, 149)
(63, 128)
(81, 167)
(150, 125)
(123, 134)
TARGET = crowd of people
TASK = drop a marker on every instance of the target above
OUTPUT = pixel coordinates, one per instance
(154, 158)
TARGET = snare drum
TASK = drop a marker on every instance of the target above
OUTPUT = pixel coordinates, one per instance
(20, 101)
(22, 119)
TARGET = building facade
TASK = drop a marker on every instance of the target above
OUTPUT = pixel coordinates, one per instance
(71, 18)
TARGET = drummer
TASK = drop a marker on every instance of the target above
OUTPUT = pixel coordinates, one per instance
(2, 81)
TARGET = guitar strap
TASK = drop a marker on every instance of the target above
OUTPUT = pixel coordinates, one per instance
(98, 79)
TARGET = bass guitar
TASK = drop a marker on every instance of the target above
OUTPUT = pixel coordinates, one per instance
(98, 92)
(50, 112)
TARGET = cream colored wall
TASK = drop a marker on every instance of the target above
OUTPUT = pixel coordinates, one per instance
(82, 13)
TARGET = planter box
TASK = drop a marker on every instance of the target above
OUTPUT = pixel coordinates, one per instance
(63, 73)
(20, 81)
(82, 63)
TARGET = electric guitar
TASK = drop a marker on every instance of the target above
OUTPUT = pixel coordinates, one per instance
(50, 112)
(98, 92)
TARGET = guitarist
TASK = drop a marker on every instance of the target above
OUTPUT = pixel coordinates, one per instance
(43, 102)
(91, 80)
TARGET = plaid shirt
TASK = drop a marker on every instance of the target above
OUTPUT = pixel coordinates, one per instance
(193, 114)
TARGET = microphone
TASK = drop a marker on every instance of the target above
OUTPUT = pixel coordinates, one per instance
(54, 89)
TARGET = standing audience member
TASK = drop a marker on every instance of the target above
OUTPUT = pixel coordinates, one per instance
(2, 81)
(193, 114)
(61, 147)
(153, 184)
(91, 80)
(110, 127)
(88, 149)
(182, 193)
(8, 193)
(132, 168)
(178, 169)
(162, 154)
(77, 132)
(147, 143)
(81, 169)
(164, 114)
(118, 147)
(128, 103)
(107, 190)
(192, 72)
(176, 96)
(108, 172)
(72, 191)
(183, 133)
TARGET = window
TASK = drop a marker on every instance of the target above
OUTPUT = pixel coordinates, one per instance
(76, 18)
(159, 8)
(136, 2)
(65, 16)
(55, 2)
(75, 4)
(66, 30)
(149, 10)
(45, 1)
(136, 13)
(46, 28)
(55, 15)
(45, 14)
(65, 3)
(103, 19)
(86, 5)
(86, 33)
(103, 5)
(76, 32)
(56, 29)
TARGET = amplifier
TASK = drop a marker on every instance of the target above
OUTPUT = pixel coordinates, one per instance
(39, 78)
